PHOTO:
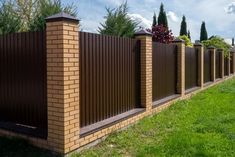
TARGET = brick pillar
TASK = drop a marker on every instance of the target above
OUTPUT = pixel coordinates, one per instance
(221, 51)
(213, 70)
(62, 82)
(180, 66)
(200, 50)
(146, 68)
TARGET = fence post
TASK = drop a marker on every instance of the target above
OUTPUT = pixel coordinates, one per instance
(146, 68)
(180, 89)
(213, 70)
(221, 51)
(62, 82)
(200, 49)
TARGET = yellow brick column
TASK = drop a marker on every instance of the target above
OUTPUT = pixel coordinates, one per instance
(200, 50)
(146, 68)
(180, 66)
(213, 70)
(221, 51)
(62, 82)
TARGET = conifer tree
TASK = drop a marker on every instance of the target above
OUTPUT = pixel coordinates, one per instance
(183, 28)
(203, 35)
(154, 19)
(162, 18)
(189, 36)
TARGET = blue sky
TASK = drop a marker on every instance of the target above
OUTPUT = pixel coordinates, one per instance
(219, 15)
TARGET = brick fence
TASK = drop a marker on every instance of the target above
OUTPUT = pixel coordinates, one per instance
(64, 133)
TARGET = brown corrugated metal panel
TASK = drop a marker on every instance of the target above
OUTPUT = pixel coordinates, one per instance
(23, 97)
(110, 76)
(164, 70)
(191, 67)
(231, 64)
(218, 64)
(226, 72)
(207, 66)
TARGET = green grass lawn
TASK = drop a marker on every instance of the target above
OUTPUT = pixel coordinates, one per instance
(201, 126)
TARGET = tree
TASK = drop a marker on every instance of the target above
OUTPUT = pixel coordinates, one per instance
(189, 36)
(232, 41)
(154, 19)
(187, 40)
(161, 34)
(183, 28)
(219, 43)
(162, 18)
(118, 23)
(9, 21)
(203, 35)
(47, 8)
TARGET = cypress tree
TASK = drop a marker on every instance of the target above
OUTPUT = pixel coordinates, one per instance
(189, 36)
(162, 18)
(203, 35)
(154, 19)
(232, 41)
(183, 28)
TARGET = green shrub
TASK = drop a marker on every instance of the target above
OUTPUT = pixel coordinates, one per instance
(219, 43)
(187, 40)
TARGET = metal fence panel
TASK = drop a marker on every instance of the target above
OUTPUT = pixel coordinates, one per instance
(23, 97)
(164, 70)
(207, 66)
(110, 76)
(191, 67)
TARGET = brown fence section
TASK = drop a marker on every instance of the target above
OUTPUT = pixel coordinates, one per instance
(164, 70)
(207, 66)
(231, 64)
(191, 67)
(109, 76)
(218, 64)
(23, 97)
(226, 69)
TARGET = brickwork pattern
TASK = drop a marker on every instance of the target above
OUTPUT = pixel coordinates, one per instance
(63, 85)
(63, 89)
(146, 70)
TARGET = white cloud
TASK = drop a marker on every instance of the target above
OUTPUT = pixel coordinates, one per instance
(229, 41)
(230, 9)
(145, 23)
(172, 16)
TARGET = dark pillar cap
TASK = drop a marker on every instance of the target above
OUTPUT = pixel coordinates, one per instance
(62, 17)
(197, 43)
(177, 40)
(143, 33)
(211, 47)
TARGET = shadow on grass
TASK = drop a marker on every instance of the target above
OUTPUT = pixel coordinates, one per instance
(13, 147)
